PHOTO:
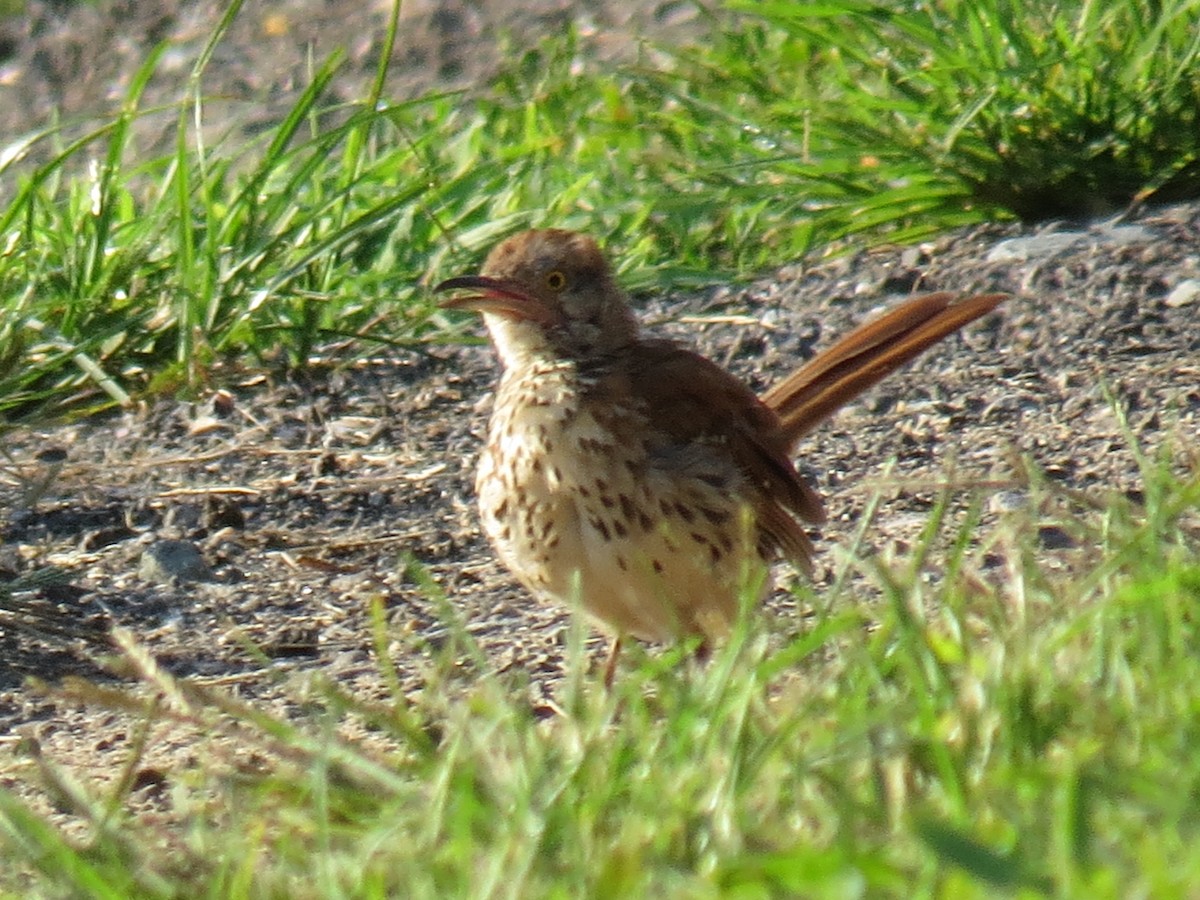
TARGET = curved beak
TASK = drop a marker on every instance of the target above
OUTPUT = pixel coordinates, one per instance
(501, 296)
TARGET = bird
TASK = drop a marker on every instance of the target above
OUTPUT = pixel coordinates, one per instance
(634, 478)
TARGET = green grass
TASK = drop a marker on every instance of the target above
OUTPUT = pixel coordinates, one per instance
(1011, 727)
(1024, 729)
(1043, 110)
(124, 275)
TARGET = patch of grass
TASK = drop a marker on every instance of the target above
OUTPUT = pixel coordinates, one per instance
(1012, 726)
(1041, 110)
(791, 128)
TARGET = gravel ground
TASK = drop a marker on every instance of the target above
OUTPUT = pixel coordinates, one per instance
(308, 501)
(52, 66)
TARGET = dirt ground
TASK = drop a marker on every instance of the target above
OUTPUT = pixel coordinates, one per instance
(53, 67)
(309, 500)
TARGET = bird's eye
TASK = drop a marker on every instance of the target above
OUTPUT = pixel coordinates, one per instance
(556, 280)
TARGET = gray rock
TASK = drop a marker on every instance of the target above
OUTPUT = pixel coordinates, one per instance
(173, 560)
(1039, 246)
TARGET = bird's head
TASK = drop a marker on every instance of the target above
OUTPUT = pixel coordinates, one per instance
(547, 293)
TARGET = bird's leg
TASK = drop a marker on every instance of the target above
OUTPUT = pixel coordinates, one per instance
(610, 663)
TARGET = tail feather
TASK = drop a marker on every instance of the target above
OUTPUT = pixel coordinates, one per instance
(861, 359)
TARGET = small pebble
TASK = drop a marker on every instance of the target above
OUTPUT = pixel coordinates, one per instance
(174, 560)
(1184, 293)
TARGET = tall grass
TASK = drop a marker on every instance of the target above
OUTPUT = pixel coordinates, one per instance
(1013, 727)
(1041, 110)
(792, 127)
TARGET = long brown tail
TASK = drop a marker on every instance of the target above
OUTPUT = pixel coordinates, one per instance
(866, 355)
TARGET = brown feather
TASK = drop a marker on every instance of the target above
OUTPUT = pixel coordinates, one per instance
(867, 355)
(694, 400)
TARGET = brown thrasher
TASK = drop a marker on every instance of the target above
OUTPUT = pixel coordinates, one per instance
(634, 477)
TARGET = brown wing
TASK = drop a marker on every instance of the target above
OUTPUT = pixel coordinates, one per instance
(868, 354)
(693, 400)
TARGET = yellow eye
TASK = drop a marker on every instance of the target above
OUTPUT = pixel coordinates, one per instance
(556, 280)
